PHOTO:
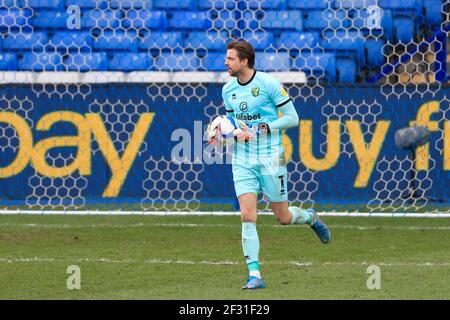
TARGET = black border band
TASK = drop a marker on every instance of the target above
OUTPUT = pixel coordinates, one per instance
(283, 103)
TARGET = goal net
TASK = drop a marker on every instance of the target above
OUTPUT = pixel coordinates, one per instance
(104, 104)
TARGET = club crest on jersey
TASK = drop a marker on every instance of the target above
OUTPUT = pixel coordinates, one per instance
(255, 91)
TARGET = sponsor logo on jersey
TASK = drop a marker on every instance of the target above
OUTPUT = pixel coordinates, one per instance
(248, 117)
(243, 106)
(255, 91)
(233, 96)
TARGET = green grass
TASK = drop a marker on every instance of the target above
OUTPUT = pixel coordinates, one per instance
(145, 257)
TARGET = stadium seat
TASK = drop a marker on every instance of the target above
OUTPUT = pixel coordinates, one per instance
(214, 61)
(307, 4)
(346, 69)
(266, 4)
(374, 49)
(47, 4)
(189, 20)
(282, 20)
(7, 3)
(177, 62)
(101, 19)
(47, 19)
(210, 4)
(354, 4)
(14, 18)
(319, 20)
(131, 4)
(86, 3)
(317, 64)
(174, 4)
(76, 40)
(161, 40)
(260, 40)
(118, 40)
(398, 4)
(345, 43)
(272, 61)
(139, 19)
(124, 61)
(42, 61)
(433, 12)
(298, 40)
(223, 19)
(404, 28)
(206, 40)
(360, 20)
(83, 62)
(8, 62)
(25, 41)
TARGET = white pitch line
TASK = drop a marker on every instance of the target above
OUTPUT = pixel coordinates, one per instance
(205, 225)
(224, 262)
(219, 213)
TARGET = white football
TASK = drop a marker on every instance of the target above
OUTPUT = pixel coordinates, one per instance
(225, 132)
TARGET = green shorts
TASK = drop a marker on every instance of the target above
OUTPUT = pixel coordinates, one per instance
(261, 175)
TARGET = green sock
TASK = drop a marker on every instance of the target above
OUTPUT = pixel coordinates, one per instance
(300, 216)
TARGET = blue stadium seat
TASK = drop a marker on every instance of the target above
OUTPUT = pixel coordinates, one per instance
(354, 4)
(174, 4)
(47, 4)
(83, 62)
(214, 61)
(101, 19)
(47, 19)
(206, 40)
(42, 61)
(177, 62)
(124, 61)
(190, 20)
(317, 64)
(307, 4)
(25, 41)
(209, 4)
(14, 18)
(399, 4)
(433, 12)
(319, 20)
(345, 43)
(360, 20)
(161, 40)
(346, 69)
(86, 3)
(131, 4)
(118, 40)
(139, 19)
(298, 40)
(266, 4)
(404, 28)
(272, 61)
(8, 3)
(260, 40)
(375, 55)
(72, 40)
(223, 19)
(282, 20)
(8, 62)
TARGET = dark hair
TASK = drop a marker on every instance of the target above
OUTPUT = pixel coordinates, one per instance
(244, 51)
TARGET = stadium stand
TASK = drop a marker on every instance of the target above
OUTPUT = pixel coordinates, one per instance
(157, 28)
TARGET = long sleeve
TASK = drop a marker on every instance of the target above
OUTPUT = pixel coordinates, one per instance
(289, 118)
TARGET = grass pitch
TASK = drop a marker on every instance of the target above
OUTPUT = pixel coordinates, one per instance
(188, 257)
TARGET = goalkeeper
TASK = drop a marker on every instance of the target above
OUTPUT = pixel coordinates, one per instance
(253, 100)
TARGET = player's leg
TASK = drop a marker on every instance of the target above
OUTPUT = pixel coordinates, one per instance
(247, 188)
(274, 187)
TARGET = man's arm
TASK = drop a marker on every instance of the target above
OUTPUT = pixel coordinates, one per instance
(288, 119)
